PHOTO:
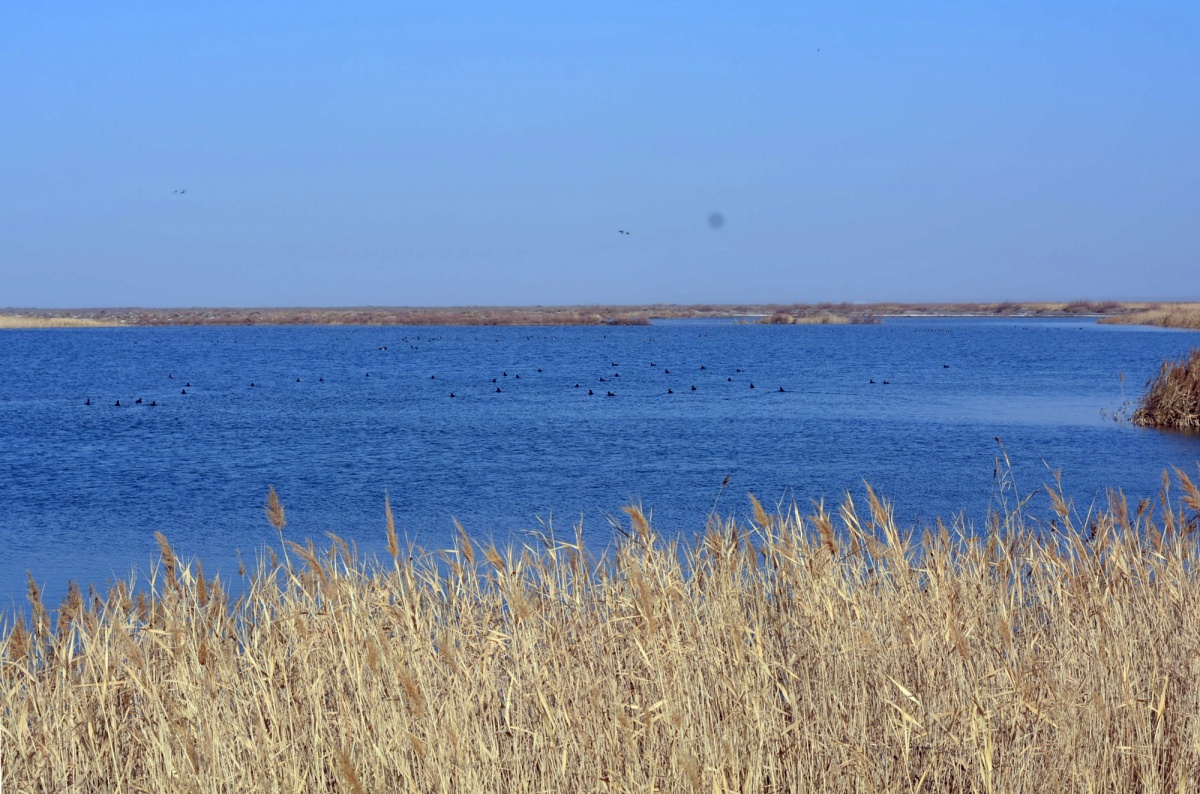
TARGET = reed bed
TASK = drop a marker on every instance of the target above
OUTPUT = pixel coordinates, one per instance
(38, 321)
(1172, 397)
(827, 652)
(1175, 315)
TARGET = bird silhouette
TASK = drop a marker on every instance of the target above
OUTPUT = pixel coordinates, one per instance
(118, 404)
(669, 391)
(88, 401)
(693, 388)
(497, 390)
(610, 394)
(589, 392)
(138, 401)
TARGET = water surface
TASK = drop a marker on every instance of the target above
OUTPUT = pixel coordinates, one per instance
(336, 415)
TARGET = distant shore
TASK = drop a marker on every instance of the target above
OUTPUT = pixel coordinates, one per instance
(1170, 315)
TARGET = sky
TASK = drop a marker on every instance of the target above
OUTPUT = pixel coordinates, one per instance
(440, 154)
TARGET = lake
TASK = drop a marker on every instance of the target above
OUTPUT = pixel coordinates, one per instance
(334, 416)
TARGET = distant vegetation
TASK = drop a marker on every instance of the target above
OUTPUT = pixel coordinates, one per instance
(1172, 398)
(831, 653)
(1173, 315)
(1167, 315)
(50, 321)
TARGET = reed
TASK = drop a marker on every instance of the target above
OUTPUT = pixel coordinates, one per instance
(1172, 397)
(835, 651)
(39, 321)
(1173, 315)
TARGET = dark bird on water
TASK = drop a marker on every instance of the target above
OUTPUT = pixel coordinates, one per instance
(693, 388)
(576, 385)
(187, 385)
(153, 404)
(669, 391)
(118, 404)
(666, 372)
(169, 375)
(781, 388)
(751, 385)
(602, 380)
(433, 377)
(872, 380)
(297, 380)
(610, 394)
(589, 392)
(945, 366)
(729, 379)
(183, 391)
(703, 367)
(320, 380)
(138, 401)
(539, 369)
(251, 385)
(497, 390)
(886, 383)
(88, 401)
(451, 394)
(493, 380)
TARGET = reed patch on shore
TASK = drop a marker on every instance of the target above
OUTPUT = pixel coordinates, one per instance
(40, 321)
(1170, 315)
(1172, 397)
(828, 652)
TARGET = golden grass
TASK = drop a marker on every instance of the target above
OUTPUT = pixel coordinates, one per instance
(40, 321)
(1172, 397)
(1173, 315)
(818, 318)
(831, 652)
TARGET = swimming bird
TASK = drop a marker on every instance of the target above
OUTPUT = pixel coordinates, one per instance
(183, 391)
(505, 374)
(669, 391)
(433, 377)
(187, 385)
(493, 380)
(118, 404)
(945, 366)
(730, 380)
(703, 367)
(872, 380)
(887, 383)
(88, 401)
(320, 380)
(610, 394)
(153, 404)
(693, 388)
(297, 380)
(169, 375)
(602, 380)
(138, 401)
(589, 392)
(751, 385)
(451, 394)
(780, 388)
(666, 372)
(539, 369)
(497, 390)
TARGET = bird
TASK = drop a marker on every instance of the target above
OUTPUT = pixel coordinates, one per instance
(319, 380)
(433, 377)
(183, 391)
(703, 367)
(872, 380)
(729, 380)
(187, 385)
(622, 231)
(887, 383)
(138, 401)
(493, 380)
(497, 390)
(751, 385)
(118, 404)
(539, 369)
(602, 380)
(451, 394)
(297, 380)
(153, 404)
(610, 394)
(945, 366)
(669, 391)
(693, 388)
(780, 388)
(589, 392)
(666, 372)
(169, 375)
(88, 401)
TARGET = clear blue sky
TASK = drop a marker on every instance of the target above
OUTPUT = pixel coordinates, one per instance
(459, 153)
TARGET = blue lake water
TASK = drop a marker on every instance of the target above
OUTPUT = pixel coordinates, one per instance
(336, 415)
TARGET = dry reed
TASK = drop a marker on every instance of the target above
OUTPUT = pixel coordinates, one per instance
(1171, 315)
(832, 652)
(1172, 397)
(38, 321)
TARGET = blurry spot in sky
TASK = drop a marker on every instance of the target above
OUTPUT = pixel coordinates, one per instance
(716, 220)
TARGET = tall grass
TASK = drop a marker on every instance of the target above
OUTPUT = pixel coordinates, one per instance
(829, 652)
(1172, 315)
(1172, 397)
(38, 321)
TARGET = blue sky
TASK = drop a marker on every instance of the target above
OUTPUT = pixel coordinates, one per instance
(461, 153)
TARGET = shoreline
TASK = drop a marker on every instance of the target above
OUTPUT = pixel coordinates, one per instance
(1170, 315)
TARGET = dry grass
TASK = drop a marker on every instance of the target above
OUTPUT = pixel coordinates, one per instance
(39, 321)
(824, 313)
(819, 653)
(1173, 315)
(817, 318)
(1172, 397)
